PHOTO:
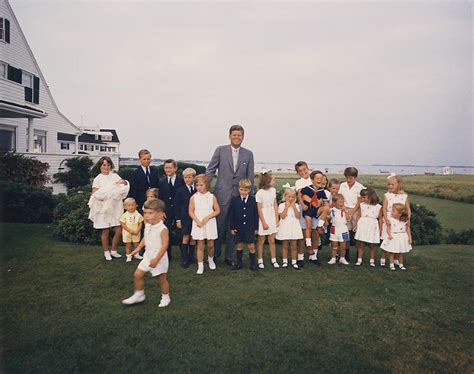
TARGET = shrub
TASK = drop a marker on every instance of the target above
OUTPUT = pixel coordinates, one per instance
(21, 169)
(425, 228)
(71, 218)
(79, 173)
(25, 204)
(460, 237)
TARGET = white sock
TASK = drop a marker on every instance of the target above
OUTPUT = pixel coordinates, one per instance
(382, 261)
(200, 265)
(321, 223)
(260, 260)
(372, 261)
(210, 259)
(165, 296)
(396, 262)
(293, 262)
(285, 260)
(274, 260)
(359, 259)
(113, 252)
(139, 292)
(300, 256)
(308, 242)
(312, 257)
(315, 254)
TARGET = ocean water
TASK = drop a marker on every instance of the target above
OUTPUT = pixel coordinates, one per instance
(337, 168)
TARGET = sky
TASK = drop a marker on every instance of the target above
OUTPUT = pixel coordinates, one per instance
(326, 82)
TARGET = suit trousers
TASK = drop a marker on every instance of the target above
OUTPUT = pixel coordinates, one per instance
(223, 228)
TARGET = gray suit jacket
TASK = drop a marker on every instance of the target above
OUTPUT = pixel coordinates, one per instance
(228, 180)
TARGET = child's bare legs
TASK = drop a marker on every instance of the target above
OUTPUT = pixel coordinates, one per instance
(104, 239)
(116, 238)
(307, 233)
(372, 253)
(334, 246)
(210, 254)
(128, 248)
(400, 260)
(284, 250)
(392, 258)
(138, 277)
(343, 249)
(293, 246)
(164, 285)
(260, 243)
(272, 246)
(200, 256)
(185, 239)
(360, 252)
(382, 257)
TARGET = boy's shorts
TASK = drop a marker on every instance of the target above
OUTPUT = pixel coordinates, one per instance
(340, 237)
(129, 238)
(161, 268)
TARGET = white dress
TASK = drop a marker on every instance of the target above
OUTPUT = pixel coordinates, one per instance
(153, 245)
(203, 206)
(289, 228)
(392, 198)
(339, 231)
(368, 230)
(399, 242)
(107, 211)
(267, 199)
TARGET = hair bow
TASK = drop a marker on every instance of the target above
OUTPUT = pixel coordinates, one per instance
(287, 185)
(391, 175)
(265, 171)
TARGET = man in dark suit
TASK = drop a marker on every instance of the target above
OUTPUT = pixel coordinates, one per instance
(168, 186)
(233, 163)
(143, 178)
(243, 222)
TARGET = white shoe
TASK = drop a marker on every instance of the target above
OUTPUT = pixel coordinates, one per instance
(134, 299)
(165, 301)
(276, 265)
(138, 257)
(372, 264)
(107, 256)
(358, 263)
(261, 265)
(129, 258)
(115, 254)
(343, 261)
(212, 264)
(200, 269)
(332, 261)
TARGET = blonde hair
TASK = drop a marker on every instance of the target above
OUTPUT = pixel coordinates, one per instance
(337, 197)
(403, 211)
(153, 191)
(189, 171)
(203, 178)
(399, 181)
(245, 183)
(129, 200)
(286, 192)
(155, 204)
(143, 152)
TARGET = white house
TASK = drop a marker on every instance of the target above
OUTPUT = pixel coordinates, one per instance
(30, 121)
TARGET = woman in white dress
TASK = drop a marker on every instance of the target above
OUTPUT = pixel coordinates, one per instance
(289, 231)
(398, 239)
(106, 206)
(268, 216)
(369, 225)
(203, 209)
(395, 195)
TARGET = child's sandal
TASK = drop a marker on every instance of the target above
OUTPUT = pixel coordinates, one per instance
(392, 267)
(284, 265)
(402, 267)
(296, 267)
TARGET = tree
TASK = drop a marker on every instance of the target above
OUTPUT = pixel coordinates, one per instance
(78, 175)
(18, 168)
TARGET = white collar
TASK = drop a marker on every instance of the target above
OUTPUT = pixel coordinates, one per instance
(144, 168)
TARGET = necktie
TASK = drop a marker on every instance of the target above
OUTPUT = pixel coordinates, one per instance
(191, 190)
(243, 200)
(148, 175)
(170, 184)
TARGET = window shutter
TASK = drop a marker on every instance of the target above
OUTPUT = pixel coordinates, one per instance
(28, 94)
(7, 30)
(14, 74)
(36, 89)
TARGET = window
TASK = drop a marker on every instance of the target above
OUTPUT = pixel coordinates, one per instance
(103, 149)
(27, 79)
(7, 138)
(39, 137)
(31, 84)
(3, 69)
(5, 30)
(64, 145)
(97, 147)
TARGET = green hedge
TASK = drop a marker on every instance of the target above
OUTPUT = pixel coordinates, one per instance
(425, 227)
(25, 204)
(460, 237)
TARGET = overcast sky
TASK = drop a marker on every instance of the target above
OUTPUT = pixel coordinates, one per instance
(355, 82)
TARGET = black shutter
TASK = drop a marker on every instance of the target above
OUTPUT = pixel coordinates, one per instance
(7, 31)
(36, 90)
(28, 94)
(14, 74)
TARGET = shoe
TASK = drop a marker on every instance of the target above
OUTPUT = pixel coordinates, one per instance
(138, 257)
(275, 265)
(284, 265)
(136, 298)
(229, 262)
(372, 264)
(212, 264)
(332, 261)
(382, 264)
(129, 258)
(184, 264)
(358, 263)
(397, 263)
(316, 262)
(261, 265)
(392, 267)
(295, 266)
(107, 256)
(401, 267)
(300, 263)
(343, 261)
(237, 267)
(165, 301)
(114, 254)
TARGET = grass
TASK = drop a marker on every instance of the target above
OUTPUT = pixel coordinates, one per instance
(62, 313)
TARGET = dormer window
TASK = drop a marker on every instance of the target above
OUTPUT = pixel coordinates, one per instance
(4, 30)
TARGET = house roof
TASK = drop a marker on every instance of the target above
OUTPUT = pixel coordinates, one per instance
(115, 137)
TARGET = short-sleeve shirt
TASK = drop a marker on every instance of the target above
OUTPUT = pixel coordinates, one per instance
(131, 220)
(302, 183)
(350, 194)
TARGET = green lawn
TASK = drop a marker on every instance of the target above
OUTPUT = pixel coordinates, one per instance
(62, 313)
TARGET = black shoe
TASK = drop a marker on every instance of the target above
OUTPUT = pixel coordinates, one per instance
(300, 263)
(320, 247)
(184, 264)
(237, 267)
(316, 262)
(253, 268)
(229, 262)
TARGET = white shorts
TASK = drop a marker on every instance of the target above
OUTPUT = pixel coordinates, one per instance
(342, 237)
(160, 268)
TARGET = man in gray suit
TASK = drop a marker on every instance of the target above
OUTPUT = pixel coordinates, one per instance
(233, 163)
